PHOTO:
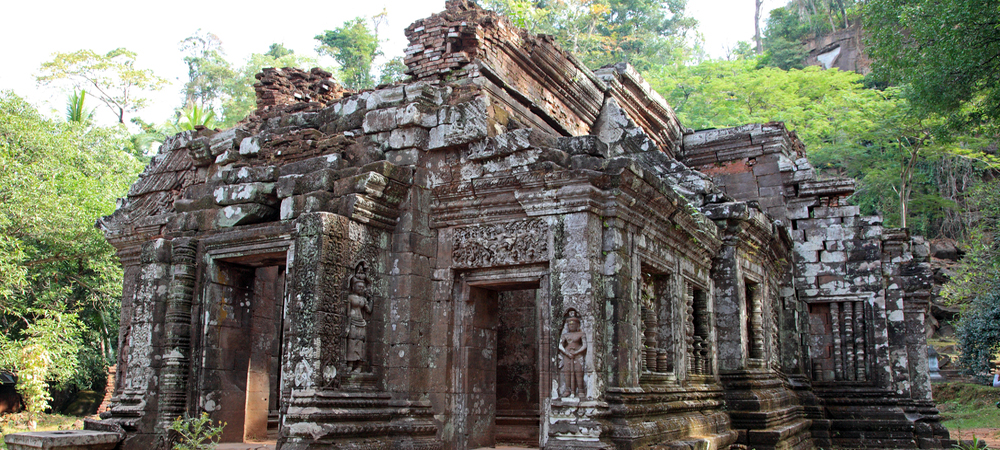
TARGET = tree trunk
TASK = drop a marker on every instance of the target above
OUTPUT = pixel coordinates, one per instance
(756, 26)
(905, 184)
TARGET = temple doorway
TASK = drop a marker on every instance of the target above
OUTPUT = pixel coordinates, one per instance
(502, 355)
(242, 362)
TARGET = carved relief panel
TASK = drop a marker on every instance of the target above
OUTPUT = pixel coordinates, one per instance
(501, 244)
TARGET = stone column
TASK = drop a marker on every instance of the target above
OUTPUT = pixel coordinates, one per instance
(135, 405)
(176, 357)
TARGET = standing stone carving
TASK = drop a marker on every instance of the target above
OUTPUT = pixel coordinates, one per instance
(358, 307)
(573, 349)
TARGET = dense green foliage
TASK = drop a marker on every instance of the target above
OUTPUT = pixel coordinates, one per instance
(978, 332)
(788, 26)
(979, 270)
(60, 283)
(645, 33)
(354, 46)
(208, 70)
(219, 94)
(849, 130)
(946, 54)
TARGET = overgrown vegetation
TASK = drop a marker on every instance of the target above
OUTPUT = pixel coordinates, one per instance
(60, 283)
(20, 422)
(965, 405)
(196, 433)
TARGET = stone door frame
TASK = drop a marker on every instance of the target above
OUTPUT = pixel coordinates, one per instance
(241, 250)
(500, 279)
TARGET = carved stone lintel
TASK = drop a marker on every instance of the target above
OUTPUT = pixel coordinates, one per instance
(501, 244)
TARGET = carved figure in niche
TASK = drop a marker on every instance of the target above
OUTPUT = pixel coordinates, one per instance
(358, 306)
(573, 348)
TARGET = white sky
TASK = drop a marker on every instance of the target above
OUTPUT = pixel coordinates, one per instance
(36, 29)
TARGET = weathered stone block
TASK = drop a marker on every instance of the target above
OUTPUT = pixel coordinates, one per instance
(62, 440)
(262, 193)
(379, 121)
(417, 115)
(583, 145)
(459, 124)
(250, 146)
(331, 161)
(406, 157)
(387, 97)
(243, 214)
(408, 138)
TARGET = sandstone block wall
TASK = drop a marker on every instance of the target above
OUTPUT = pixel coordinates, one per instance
(510, 248)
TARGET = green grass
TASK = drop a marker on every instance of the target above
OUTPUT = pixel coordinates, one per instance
(965, 406)
(17, 423)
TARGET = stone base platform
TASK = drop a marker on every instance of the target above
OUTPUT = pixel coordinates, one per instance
(62, 440)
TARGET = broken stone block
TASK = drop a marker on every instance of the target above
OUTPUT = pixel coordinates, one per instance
(200, 152)
(244, 193)
(330, 161)
(250, 146)
(584, 145)
(228, 157)
(379, 121)
(417, 114)
(244, 214)
(226, 140)
(408, 138)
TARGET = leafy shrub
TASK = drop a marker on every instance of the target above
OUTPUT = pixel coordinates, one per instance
(978, 333)
(196, 433)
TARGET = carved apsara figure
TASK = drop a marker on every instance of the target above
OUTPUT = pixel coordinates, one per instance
(573, 348)
(358, 306)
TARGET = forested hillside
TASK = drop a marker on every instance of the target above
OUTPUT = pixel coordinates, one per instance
(919, 134)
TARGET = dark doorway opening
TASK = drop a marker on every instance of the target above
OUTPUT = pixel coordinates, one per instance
(517, 368)
(242, 371)
(502, 359)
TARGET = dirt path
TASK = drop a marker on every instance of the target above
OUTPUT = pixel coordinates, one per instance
(990, 435)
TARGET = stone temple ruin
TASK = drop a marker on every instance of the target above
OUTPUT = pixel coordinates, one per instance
(510, 248)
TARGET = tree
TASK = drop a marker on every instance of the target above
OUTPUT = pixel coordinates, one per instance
(208, 70)
(756, 26)
(354, 46)
(47, 354)
(978, 271)
(849, 130)
(978, 332)
(278, 51)
(240, 99)
(392, 71)
(113, 77)
(946, 54)
(645, 33)
(56, 269)
(782, 42)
